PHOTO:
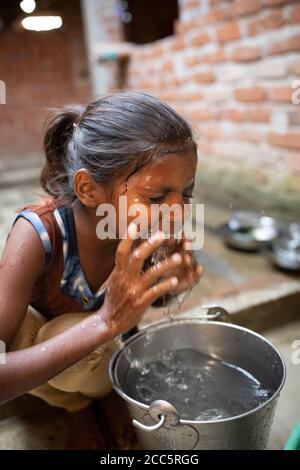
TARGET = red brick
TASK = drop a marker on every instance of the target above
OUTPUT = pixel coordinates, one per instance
(177, 44)
(204, 77)
(244, 133)
(177, 26)
(204, 114)
(43, 73)
(245, 54)
(288, 45)
(199, 40)
(245, 7)
(163, 81)
(268, 22)
(144, 83)
(295, 67)
(167, 66)
(257, 114)
(212, 16)
(181, 27)
(169, 96)
(250, 94)
(214, 131)
(293, 162)
(294, 15)
(272, 3)
(174, 81)
(181, 109)
(248, 134)
(294, 117)
(216, 96)
(289, 140)
(157, 50)
(230, 114)
(280, 93)
(192, 96)
(213, 57)
(210, 58)
(228, 32)
(205, 146)
(187, 26)
(150, 67)
(192, 60)
(191, 4)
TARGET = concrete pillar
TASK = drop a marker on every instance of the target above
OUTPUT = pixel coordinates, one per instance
(103, 31)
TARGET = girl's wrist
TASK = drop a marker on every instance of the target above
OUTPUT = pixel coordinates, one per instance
(105, 326)
(97, 324)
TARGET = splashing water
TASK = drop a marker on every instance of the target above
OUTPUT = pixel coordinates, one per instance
(176, 300)
(120, 342)
(126, 350)
(199, 386)
(181, 298)
(162, 253)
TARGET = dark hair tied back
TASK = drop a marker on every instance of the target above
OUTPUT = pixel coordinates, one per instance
(125, 128)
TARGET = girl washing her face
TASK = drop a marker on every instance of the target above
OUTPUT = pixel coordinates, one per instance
(66, 294)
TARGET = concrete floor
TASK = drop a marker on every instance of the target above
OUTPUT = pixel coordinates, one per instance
(26, 425)
(47, 428)
(288, 409)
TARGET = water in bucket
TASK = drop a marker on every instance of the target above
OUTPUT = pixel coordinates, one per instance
(198, 386)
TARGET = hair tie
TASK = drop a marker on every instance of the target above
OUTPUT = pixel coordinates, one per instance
(74, 124)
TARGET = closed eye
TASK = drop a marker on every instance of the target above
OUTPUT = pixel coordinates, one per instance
(158, 199)
(188, 196)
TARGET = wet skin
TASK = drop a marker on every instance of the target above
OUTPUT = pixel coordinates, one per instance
(146, 187)
(130, 291)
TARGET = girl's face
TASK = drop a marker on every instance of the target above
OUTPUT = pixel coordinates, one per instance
(167, 180)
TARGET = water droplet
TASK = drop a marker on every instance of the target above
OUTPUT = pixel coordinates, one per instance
(182, 386)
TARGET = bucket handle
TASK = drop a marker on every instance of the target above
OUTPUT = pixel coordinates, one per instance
(214, 312)
(155, 427)
(162, 411)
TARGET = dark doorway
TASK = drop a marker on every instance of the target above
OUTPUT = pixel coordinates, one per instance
(147, 21)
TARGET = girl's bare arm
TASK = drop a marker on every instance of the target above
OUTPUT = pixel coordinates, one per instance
(21, 263)
(129, 294)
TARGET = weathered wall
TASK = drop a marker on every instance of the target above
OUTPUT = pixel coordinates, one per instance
(229, 69)
(41, 70)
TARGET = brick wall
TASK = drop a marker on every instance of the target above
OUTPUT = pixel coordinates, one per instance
(41, 70)
(229, 69)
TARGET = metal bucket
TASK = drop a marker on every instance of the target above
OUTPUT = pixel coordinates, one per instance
(159, 425)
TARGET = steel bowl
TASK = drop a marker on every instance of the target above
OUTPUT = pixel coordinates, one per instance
(248, 231)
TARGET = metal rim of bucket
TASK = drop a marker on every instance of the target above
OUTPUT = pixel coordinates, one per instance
(145, 407)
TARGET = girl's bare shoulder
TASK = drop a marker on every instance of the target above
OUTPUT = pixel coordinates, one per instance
(22, 246)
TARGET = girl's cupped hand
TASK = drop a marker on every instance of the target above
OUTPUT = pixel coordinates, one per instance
(129, 289)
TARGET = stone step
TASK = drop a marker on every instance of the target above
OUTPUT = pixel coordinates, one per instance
(22, 170)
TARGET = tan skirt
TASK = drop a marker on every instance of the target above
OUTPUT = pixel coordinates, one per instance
(75, 387)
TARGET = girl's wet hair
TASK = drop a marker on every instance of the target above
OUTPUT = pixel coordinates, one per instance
(119, 130)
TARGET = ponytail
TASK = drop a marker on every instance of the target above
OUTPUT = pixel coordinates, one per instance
(124, 129)
(54, 177)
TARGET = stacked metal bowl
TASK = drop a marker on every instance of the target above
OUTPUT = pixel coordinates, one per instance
(250, 231)
(284, 251)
